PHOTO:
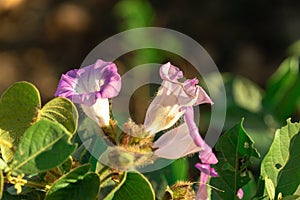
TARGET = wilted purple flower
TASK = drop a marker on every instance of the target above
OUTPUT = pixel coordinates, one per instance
(172, 101)
(91, 87)
(166, 107)
(206, 172)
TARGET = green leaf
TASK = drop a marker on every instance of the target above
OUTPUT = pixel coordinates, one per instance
(247, 94)
(63, 111)
(66, 166)
(291, 197)
(111, 194)
(79, 184)
(19, 106)
(44, 145)
(282, 93)
(135, 187)
(279, 154)
(179, 171)
(270, 188)
(289, 176)
(27, 196)
(236, 148)
(1, 183)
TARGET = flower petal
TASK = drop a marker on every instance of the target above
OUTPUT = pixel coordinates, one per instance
(98, 112)
(240, 193)
(206, 154)
(170, 72)
(205, 168)
(86, 85)
(175, 144)
(164, 110)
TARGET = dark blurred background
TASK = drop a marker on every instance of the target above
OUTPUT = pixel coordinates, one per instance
(40, 39)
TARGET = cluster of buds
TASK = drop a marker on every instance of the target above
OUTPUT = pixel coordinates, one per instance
(92, 86)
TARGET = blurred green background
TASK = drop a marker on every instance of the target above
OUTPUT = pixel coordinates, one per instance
(40, 39)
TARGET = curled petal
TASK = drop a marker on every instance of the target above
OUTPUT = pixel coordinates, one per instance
(170, 72)
(175, 144)
(195, 92)
(206, 154)
(86, 85)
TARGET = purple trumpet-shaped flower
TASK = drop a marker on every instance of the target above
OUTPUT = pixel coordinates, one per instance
(206, 172)
(166, 108)
(91, 87)
(172, 101)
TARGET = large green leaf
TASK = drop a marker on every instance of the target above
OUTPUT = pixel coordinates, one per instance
(63, 111)
(236, 148)
(78, 184)
(19, 106)
(44, 145)
(289, 176)
(279, 153)
(135, 187)
(282, 93)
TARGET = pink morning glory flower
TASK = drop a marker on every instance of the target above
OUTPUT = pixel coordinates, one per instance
(166, 107)
(173, 100)
(206, 172)
(91, 87)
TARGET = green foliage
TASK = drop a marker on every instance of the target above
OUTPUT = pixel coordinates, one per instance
(61, 110)
(281, 164)
(117, 186)
(135, 187)
(134, 13)
(78, 184)
(169, 175)
(282, 94)
(19, 114)
(236, 148)
(247, 94)
(19, 107)
(1, 183)
(44, 145)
